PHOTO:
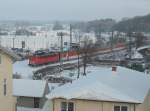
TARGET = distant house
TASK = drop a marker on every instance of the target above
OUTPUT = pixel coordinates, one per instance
(104, 90)
(30, 93)
(7, 100)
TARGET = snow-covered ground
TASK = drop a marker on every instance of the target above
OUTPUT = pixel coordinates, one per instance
(22, 68)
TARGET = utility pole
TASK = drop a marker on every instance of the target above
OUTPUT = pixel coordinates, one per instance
(130, 45)
(61, 34)
(13, 42)
(70, 35)
(78, 58)
(112, 45)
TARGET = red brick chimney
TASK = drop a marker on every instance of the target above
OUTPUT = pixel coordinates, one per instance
(114, 68)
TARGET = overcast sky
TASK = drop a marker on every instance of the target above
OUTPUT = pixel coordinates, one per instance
(71, 9)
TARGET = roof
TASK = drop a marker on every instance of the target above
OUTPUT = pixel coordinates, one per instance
(28, 109)
(102, 84)
(143, 47)
(28, 88)
(10, 53)
(137, 55)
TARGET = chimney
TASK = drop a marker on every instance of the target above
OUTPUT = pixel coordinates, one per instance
(114, 68)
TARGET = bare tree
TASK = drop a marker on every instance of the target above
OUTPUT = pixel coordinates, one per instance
(86, 52)
(139, 40)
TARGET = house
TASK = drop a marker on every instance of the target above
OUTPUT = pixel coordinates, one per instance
(30, 93)
(7, 58)
(104, 89)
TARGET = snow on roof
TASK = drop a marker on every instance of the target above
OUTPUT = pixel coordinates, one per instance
(144, 47)
(28, 88)
(22, 68)
(137, 55)
(10, 53)
(125, 85)
(28, 109)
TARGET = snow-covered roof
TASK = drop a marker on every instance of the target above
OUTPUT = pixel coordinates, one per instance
(144, 47)
(28, 109)
(22, 68)
(9, 53)
(28, 88)
(125, 85)
(137, 55)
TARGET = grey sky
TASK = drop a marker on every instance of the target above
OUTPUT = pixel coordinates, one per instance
(71, 9)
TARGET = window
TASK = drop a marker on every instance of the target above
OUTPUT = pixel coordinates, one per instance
(67, 106)
(63, 106)
(36, 102)
(116, 108)
(5, 87)
(120, 108)
(124, 108)
(70, 107)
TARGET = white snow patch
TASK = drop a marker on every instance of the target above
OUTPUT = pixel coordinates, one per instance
(28, 88)
(137, 55)
(27, 109)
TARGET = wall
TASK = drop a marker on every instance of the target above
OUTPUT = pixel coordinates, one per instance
(8, 102)
(84, 105)
(28, 102)
(146, 104)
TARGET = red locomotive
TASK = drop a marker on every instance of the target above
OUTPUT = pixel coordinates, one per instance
(45, 57)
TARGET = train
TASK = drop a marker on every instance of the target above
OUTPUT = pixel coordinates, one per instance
(42, 57)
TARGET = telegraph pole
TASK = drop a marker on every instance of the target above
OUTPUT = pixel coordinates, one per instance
(70, 35)
(78, 57)
(61, 34)
(112, 45)
(130, 45)
(13, 42)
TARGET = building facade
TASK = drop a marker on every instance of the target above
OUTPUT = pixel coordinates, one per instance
(30, 93)
(89, 105)
(7, 100)
(104, 90)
